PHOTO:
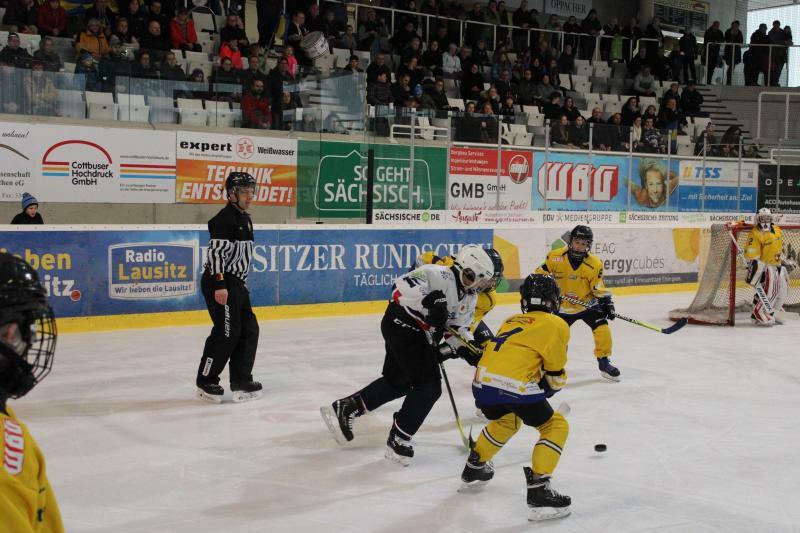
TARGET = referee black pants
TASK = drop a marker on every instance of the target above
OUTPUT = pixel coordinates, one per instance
(234, 336)
(410, 369)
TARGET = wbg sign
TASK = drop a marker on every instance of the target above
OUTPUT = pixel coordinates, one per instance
(578, 181)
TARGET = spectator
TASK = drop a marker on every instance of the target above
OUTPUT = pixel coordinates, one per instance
(611, 33)
(526, 89)
(48, 56)
(579, 133)
(413, 71)
(688, 51)
(226, 73)
(155, 41)
(413, 49)
(401, 90)
(21, 16)
(492, 97)
(632, 33)
(434, 97)
(637, 64)
(779, 53)
(443, 38)
(13, 55)
(292, 61)
(230, 50)
(553, 73)
(615, 134)
(285, 109)
(644, 84)
(492, 16)
(480, 55)
(40, 94)
(475, 31)
(654, 36)
(155, 13)
(507, 110)
(504, 86)
(197, 80)
(379, 93)
(606, 136)
(123, 32)
(433, 59)
(552, 109)
(170, 69)
(234, 29)
(182, 32)
(566, 61)
(730, 142)
(314, 21)
(472, 83)
(559, 133)
(521, 18)
(348, 40)
(660, 66)
(630, 111)
(670, 117)
(571, 28)
(636, 132)
(590, 26)
(137, 19)
(331, 27)
(758, 56)
(114, 64)
(51, 18)
(429, 7)
(544, 89)
(371, 31)
(707, 142)
(488, 124)
(30, 211)
(143, 67)
(672, 92)
(92, 40)
(277, 78)
(692, 101)
(712, 36)
(570, 110)
(403, 18)
(251, 74)
(88, 71)
(102, 13)
(403, 37)
(537, 70)
(597, 116)
(255, 107)
(352, 66)
(554, 26)
(377, 67)
(649, 112)
(651, 140)
(733, 48)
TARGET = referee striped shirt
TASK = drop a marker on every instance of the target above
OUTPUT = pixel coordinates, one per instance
(230, 249)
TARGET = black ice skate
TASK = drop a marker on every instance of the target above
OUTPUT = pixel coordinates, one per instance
(476, 472)
(607, 370)
(398, 446)
(210, 392)
(244, 392)
(544, 503)
(340, 415)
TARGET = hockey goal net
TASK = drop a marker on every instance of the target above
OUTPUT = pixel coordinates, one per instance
(722, 291)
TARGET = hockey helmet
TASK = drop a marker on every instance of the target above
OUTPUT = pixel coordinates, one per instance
(237, 181)
(27, 328)
(583, 233)
(540, 292)
(475, 267)
(764, 218)
(498, 266)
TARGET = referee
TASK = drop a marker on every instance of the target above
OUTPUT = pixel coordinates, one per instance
(235, 332)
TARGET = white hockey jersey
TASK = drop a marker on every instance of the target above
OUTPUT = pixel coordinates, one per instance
(409, 290)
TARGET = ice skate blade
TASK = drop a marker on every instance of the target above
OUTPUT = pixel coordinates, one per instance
(609, 377)
(210, 398)
(472, 486)
(333, 424)
(239, 396)
(539, 514)
(395, 458)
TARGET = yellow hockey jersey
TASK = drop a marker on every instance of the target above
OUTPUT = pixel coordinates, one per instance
(766, 246)
(526, 346)
(486, 300)
(584, 283)
(27, 502)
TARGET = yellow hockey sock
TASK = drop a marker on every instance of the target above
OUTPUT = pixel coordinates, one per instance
(495, 435)
(547, 450)
(602, 341)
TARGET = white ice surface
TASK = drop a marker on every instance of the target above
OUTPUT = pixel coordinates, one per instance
(702, 434)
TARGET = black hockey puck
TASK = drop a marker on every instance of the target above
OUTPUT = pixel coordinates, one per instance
(600, 447)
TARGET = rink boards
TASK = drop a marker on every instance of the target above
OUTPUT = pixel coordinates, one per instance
(109, 277)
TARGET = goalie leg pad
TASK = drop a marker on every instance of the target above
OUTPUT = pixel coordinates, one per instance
(755, 270)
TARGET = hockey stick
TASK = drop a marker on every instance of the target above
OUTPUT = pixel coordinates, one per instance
(471, 347)
(762, 296)
(467, 440)
(672, 329)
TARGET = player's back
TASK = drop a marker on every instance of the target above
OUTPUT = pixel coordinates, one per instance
(27, 502)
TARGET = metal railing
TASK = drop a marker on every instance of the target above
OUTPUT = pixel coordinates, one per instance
(756, 68)
(787, 98)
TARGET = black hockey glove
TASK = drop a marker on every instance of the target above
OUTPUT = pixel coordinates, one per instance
(546, 388)
(448, 352)
(606, 305)
(436, 305)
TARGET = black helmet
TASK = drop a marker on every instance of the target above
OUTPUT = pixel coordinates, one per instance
(580, 232)
(536, 291)
(239, 180)
(498, 266)
(27, 328)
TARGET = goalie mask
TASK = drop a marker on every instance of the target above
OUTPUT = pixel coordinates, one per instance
(764, 219)
(540, 293)
(27, 328)
(475, 268)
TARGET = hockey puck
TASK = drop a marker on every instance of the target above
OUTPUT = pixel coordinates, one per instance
(600, 447)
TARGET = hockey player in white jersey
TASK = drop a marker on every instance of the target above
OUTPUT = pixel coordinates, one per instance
(423, 304)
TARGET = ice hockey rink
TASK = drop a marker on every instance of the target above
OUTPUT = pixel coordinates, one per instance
(702, 435)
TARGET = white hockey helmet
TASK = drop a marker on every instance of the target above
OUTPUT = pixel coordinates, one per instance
(764, 218)
(476, 268)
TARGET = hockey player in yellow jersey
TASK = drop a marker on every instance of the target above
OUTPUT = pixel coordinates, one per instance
(486, 299)
(767, 267)
(27, 344)
(520, 369)
(579, 275)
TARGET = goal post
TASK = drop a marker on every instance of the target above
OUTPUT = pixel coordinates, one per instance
(722, 291)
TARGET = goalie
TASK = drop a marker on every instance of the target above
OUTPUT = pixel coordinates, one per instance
(767, 267)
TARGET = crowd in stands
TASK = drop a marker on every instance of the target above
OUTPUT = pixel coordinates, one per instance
(496, 68)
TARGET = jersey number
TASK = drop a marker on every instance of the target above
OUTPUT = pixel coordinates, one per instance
(503, 337)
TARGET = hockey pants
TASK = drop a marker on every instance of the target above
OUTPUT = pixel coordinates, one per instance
(506, 420)
(233, 337)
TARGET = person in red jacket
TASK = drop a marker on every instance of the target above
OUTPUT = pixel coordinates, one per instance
(255, 107)
(51, 18)
(231, 49)
(182, 32)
